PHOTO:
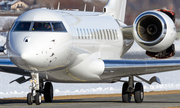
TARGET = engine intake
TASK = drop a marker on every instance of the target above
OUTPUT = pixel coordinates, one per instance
(154, 31)
(149, 28)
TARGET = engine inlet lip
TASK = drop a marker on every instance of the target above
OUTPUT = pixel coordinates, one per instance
(163, 23)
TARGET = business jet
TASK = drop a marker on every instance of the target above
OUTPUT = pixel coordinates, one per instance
(67, 46)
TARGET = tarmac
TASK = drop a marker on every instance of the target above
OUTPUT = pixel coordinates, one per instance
(153, 100)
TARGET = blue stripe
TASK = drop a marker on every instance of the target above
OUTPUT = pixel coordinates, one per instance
(6, 62)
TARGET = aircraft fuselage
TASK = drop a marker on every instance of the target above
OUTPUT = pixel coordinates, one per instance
(57, 53)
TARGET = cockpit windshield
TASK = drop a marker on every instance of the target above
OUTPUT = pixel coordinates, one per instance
(23, 26)
(40, 26)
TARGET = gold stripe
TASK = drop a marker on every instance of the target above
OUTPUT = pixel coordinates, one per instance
(74, 76)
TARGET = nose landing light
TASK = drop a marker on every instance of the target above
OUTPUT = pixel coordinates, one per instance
(24, 56)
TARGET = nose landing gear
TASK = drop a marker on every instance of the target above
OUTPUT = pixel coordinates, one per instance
(37, 90)
(48, 92)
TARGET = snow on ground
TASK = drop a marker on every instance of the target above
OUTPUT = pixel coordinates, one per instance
(169, 80)
(4, 19)
(2, 40)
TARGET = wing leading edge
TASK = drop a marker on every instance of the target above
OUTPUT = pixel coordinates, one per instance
(8, 67)
(123, 68)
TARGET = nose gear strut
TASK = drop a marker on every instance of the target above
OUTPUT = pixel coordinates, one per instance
(37, 90)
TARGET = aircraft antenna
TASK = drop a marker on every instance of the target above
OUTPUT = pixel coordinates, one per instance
(94, 8)
(85, 8)
(58, 6)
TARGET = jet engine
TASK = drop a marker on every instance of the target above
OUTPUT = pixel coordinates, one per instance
(155, 32)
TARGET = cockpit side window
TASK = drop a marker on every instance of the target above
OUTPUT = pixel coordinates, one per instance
(23, 26)
(14, 25)
(58, 26)
(42, 26)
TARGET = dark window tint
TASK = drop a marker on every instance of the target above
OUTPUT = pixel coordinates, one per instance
(14, 25)
(58, 26)
(23, 26)
(41, 26)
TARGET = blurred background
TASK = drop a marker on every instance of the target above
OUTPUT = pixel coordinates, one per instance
(134, 7)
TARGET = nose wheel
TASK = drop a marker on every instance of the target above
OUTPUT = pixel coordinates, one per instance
(29, 99)
(38, 99)
(37, 90)
(48, 92)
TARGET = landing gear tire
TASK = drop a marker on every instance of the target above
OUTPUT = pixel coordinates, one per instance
(126, 96)
(38, 99)
(139, 93)
(48, 92)
(29, 99)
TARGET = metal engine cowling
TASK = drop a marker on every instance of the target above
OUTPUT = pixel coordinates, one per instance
(154, 31)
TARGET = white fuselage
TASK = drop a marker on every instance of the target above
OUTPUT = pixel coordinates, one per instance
(74, 55)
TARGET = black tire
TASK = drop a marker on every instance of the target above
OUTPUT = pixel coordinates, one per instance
(48, 92)
(126, 96)
(29, 99)
(38, 99)
(139, 93)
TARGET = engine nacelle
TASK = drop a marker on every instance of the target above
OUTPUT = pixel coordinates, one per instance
(154, 31)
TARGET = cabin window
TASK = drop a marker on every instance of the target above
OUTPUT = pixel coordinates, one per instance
(88, 34)
(81, 33)
(94, 34)
(110, 34)
(78, 33)
(113, 31)
(84, 34)
(107, 34)
(91, 34)
(41, 26)
(104, 34)
(97, 31)
(58, 26)
(116, 34)
(23, 26)
(101, 34)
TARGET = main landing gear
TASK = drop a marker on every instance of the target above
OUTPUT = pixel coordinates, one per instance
(128, 90)
(37, 90)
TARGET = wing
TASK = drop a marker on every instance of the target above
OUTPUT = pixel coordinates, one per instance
(123, 68)
(8, 67)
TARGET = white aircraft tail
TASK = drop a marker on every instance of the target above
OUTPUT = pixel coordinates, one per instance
(116, 8)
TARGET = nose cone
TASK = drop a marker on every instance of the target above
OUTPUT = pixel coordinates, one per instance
(38, 60)
(41, 51)
(32, 60)
(45, 59)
